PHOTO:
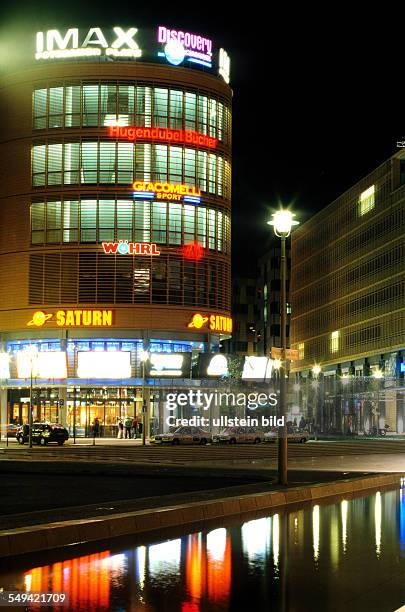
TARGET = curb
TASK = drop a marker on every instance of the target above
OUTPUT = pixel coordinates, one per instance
(56, 535)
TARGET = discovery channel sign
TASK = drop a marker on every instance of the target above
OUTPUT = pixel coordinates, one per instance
(167, 45)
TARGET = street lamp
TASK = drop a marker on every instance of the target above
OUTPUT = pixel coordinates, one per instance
(144, 359)
(32, 352)
(282, 223)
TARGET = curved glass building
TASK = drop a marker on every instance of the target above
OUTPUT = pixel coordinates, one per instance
(115, 221)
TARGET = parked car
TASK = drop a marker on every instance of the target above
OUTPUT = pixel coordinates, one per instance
(43, 433)
(294, 435)
(9, 430)
(184, 435)
(239, 435)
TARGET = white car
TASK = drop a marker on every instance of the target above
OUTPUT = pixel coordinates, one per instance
(294, 435)
(239, 435)
(184, 435)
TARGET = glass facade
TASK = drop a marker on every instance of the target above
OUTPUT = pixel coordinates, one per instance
(102, 104)
(108, 162)
(97, 220)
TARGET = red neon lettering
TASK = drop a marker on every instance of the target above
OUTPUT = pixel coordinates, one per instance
(110, 247)
(145, 249)
(162, 134)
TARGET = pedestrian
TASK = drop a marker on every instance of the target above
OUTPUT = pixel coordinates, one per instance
(134, 426)
(128, 426)
(96, 427)
(120, 430)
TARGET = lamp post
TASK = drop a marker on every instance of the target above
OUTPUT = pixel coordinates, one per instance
(144, 359)
(282, 223)
(32, 354)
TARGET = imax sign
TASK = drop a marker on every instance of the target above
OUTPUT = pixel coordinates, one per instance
(54, 44)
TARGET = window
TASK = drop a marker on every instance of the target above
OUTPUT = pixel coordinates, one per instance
(366, 200)
(159, 222)
(334, 342)
(301, 350)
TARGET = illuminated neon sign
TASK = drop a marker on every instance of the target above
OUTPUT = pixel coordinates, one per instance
(73, 318)
(53, 44)
(130, 248)
(133, 133)
(181, 45)
(215, 322)
(166, 191)
(193, 251)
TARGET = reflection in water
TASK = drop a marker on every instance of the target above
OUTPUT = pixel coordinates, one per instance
(276, 541)
(315, 531)
(344, 506)
(377, 515)
(243, 566)
(256, 537)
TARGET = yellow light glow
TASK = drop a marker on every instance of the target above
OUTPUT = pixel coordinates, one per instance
(377, 520)
(344, 508)
(316, 370)
(378, 374)
(104, 364)
(315, 531)
(277, 364)
(276, 540)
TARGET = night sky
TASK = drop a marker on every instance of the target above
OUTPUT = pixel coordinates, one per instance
(315, 95)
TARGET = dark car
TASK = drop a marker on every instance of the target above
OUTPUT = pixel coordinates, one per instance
(43, 433)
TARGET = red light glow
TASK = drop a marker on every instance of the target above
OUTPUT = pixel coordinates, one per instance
(193, 251)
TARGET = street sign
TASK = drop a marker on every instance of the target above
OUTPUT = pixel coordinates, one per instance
(290, 354)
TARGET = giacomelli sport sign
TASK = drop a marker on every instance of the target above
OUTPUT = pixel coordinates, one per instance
(170, 45)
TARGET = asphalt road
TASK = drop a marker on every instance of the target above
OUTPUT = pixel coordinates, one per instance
(129, 452)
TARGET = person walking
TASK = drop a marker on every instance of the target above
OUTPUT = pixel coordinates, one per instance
(120, 430)
(134, 427)
(128, 426)
(96, 427)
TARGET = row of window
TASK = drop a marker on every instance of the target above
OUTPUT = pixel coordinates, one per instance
(93, 278)
(344, 345)
(93, 221)
(103, 104)
(94, 162)
(137, 346)
(337, 285)
(377, 301)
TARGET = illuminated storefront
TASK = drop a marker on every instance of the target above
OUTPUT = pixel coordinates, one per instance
(115, 221)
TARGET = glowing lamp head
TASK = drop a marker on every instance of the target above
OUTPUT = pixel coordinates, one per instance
(316, 370)
(283, 222)
(378, 374)
(277, 364)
